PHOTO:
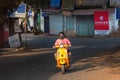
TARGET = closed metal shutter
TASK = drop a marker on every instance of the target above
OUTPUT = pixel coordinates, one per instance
(85, 25)
(56, 24)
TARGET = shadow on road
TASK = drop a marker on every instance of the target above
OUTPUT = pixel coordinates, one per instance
(109, 60)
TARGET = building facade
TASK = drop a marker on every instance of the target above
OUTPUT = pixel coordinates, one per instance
(80, 20)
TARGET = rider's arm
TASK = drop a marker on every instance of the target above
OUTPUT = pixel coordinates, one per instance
(56, 42)
(68, 42)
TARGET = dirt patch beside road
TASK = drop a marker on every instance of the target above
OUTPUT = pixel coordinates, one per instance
(100, 67)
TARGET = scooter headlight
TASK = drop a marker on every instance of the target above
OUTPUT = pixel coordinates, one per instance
(62, 61)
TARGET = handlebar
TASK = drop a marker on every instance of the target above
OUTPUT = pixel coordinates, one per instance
(58, 46)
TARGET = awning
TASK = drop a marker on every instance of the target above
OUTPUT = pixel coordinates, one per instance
(52, 11)
(83, 12)
(55, 3)
(19, 12)
(89, 11)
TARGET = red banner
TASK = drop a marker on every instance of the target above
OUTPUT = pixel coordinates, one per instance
(101, 20)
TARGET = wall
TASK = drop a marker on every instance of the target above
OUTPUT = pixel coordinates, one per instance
(90, 2)
(59, 23)
(6, 32)
(114, 2)
(42, 23)
(1, 36)
(113, 23)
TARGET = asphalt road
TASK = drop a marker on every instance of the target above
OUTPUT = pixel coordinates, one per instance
(42, 66)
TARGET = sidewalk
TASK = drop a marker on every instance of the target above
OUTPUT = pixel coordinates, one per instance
(5, 52)
(10, 51)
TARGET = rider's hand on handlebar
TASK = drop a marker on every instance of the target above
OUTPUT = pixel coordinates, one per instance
(53, 47)
(69, 45)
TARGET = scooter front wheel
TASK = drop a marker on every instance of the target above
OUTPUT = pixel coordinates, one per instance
(63, 69)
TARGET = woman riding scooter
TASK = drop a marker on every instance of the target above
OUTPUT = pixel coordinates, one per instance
(63, 40)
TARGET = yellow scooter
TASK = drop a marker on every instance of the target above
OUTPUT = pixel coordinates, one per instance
(62, 57)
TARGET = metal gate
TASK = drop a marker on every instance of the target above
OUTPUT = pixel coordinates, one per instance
(56, 24)
(70, 26)
(85, 25)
